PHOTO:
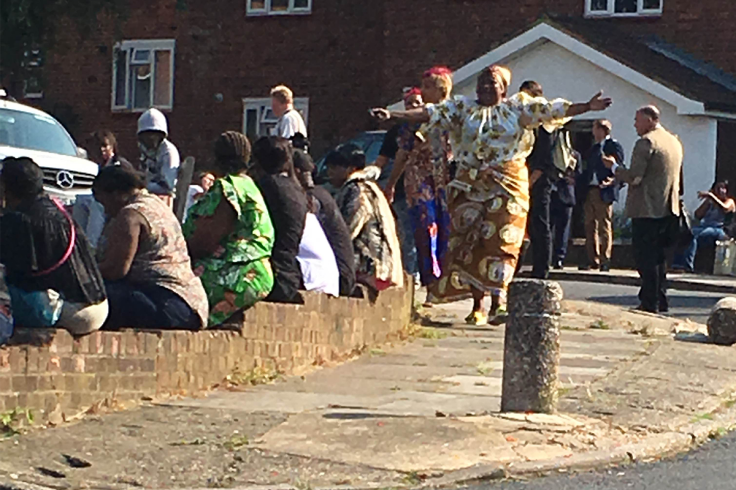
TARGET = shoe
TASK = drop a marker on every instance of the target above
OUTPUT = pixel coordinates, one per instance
(557, 265)
(646, 310)
(499, 316)
(477, 318)
(606, 267)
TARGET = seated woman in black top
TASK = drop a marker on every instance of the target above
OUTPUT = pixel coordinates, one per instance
(287, 205)
(51, 272)
(325, 207)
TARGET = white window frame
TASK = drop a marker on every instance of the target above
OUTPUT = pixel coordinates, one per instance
(609, 12)
(142, 44)
(250, 11)
(262, 104)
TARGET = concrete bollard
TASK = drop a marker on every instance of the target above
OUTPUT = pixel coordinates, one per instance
(531, 358)
(722, 322)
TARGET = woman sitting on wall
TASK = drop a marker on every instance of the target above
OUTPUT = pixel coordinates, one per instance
(230, 234)
(51, 272)
(333, 224)
(369, 218)
(144, 259)
(302, 256)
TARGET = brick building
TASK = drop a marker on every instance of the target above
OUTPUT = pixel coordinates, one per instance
(209, 64)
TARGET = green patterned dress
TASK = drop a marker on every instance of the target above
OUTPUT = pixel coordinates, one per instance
(239, 273)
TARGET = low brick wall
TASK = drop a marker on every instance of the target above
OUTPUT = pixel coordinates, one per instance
(46, 369)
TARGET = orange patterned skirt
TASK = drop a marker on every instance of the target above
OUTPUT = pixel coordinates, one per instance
(487, 227)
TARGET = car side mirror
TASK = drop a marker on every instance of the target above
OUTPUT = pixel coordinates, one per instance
(82, 153)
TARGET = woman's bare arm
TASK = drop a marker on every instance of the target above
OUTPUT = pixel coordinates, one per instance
(210, 230)
(122, 245)
(418, 115)
(597, 103)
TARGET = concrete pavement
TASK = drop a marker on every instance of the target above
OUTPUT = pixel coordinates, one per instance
(416, 413)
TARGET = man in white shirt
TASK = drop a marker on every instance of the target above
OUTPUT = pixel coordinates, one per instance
(290, 121)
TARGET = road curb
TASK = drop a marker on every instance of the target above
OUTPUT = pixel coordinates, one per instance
(612, 278)
(662, 445)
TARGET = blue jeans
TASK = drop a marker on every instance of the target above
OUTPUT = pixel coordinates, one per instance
(702, 235)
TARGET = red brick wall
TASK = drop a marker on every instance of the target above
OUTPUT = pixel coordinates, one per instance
(346, 56)
(55, 369)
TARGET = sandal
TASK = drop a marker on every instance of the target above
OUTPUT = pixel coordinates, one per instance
(477, 318)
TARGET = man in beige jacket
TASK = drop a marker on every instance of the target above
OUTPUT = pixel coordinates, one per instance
(653, 203)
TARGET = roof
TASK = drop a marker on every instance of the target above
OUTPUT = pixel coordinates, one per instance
(653, 57)
(17, 106)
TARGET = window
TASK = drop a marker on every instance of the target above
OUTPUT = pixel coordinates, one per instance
(278, 7)
(259, 120)
(623, 7)
(143, 75)
(32, 64)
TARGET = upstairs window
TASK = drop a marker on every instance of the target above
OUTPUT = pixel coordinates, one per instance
(143, 75)
(278, 7)
(623, 8)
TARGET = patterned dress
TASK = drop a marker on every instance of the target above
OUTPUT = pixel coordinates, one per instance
(239, 273)
(373, 230)
(425, 180)
(489, 197)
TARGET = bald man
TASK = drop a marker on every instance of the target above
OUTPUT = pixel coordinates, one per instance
(653, 203)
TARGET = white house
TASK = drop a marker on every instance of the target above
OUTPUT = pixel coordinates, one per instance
(574, 61)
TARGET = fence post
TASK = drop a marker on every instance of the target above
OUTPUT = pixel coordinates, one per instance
(531, 357)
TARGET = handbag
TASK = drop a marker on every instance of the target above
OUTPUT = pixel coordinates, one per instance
(684, 229)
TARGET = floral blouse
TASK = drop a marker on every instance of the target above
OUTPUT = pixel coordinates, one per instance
(483, 137)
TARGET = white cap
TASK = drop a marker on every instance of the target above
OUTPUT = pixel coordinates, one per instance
(153, 120)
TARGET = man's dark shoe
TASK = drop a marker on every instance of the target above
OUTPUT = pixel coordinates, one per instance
(557, 265)
(606, 267)
(588, 267)
(645, 309)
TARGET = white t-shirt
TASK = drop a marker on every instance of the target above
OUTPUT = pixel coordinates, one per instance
(291, 123)
(317, 260)
(194, 191)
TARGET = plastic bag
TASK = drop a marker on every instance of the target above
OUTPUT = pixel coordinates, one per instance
(38, 309)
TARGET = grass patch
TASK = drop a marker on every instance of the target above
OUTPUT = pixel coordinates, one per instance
(600, 325)
(412, 478)
(256, 376)
(701, 417)
(235, 442)
(729, 403)
(485, 368)
(377, 352)
(11, 421)
(431, 333)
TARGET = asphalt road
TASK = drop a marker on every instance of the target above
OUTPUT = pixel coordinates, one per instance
(711, 467)
(683, 304)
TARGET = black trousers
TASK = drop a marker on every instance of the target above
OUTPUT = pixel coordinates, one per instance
(651, 238)
(539, 226)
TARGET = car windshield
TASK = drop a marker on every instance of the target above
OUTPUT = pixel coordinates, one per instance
(34, 132)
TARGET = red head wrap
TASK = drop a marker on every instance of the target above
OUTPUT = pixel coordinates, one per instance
(411, 93)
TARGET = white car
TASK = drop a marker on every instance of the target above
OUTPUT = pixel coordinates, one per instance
(28, 132)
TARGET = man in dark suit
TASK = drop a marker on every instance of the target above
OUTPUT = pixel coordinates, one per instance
(598, 190)
(561, 206)
(653, 203)
(543, 175)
